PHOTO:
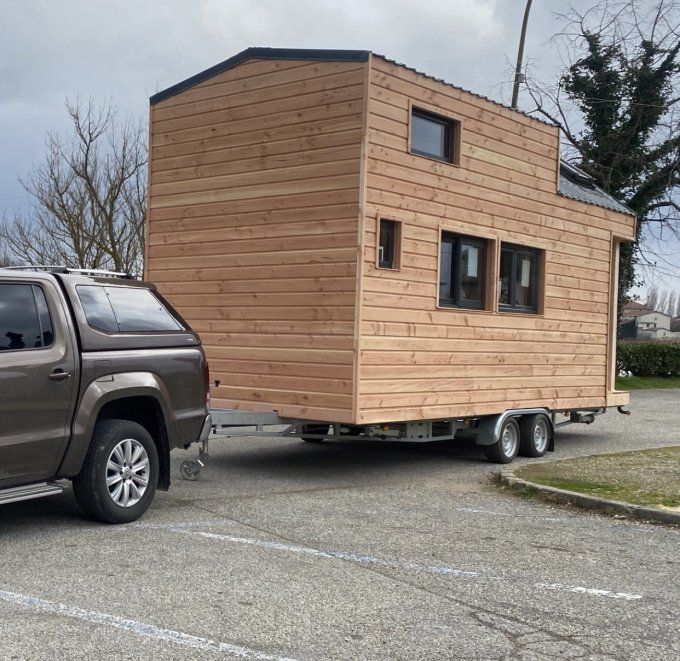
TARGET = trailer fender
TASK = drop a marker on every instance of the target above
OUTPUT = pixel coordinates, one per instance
(488, 431)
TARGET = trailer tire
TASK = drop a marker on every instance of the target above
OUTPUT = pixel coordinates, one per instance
(314, 429)
(505, 449)
(535, 434)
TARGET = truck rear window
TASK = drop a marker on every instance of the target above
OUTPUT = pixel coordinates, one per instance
(125, 310)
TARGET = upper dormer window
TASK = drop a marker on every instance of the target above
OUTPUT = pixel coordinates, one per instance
(434, 136)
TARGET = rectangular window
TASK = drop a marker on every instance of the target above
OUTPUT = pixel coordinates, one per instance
(389, 244)
(461, 271)
(126, 310)
(518, 279)
(434, 136)
(25, 321)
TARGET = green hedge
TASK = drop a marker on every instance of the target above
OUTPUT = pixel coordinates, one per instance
(649, 358)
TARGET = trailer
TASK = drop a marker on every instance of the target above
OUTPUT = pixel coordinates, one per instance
(367, 251)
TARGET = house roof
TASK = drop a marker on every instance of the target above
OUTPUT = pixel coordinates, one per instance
(578, 185)
(573, 183)
(313, 55)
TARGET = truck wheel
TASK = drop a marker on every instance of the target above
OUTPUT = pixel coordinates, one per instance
(314, 429)
(505, 449)
(534, 435)
(118, 480)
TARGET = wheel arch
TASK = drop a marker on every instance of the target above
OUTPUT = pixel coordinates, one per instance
(140, 397)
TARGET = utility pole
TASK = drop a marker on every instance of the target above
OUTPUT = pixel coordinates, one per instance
(519, 76)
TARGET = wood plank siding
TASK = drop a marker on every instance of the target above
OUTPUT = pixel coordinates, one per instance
(268, 181)
(421, 361)
(253, 228)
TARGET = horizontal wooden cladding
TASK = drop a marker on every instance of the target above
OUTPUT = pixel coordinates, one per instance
(211, 281)
(280, 153)
(292, 179)
(281, 368)
(391, 120)
(410, 322)
(382, 410)
(275, 396)
(450, 387)
(282, 340)
(419, 87)
(241, 104)
(267, 381)
(275, 326)
(392, 372)
(226, 301)
(342, 239)
(196, 215)
(481, 332)
(240, 231)
(252, 75)
(265, 312)
(277, 354)
(480, 355)
(345, 101)
(323, 413)
(300, 256)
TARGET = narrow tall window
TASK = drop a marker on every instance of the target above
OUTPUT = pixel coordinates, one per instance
(518, 279)
(388, 244)
(461, 271)
(434, 136)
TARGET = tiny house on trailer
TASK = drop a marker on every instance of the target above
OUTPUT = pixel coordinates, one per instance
(367, 248)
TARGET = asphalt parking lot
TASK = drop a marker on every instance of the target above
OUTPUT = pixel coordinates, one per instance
(285, 550)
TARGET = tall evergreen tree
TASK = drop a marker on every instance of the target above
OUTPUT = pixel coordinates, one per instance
(617, 103)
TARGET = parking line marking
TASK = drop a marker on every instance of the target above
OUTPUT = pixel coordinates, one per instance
(139, 628)
(592, 591)
(338, 555)
(384, 562)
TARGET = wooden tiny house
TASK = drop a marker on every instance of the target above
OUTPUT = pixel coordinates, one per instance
(358, 242)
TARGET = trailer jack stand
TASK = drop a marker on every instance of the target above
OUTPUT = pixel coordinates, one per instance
(622, 411)
(190, 469)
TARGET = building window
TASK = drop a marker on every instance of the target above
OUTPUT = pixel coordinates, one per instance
(462, 261)
(518, 279)
(389, 244)
(434, 136)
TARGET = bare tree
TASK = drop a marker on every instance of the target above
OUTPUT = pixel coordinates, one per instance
(652, 300)
(617, 102)
(662, 305)
(88, 196)
(672, 304)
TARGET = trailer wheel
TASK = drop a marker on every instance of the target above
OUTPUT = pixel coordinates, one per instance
(505, 449)
(534, 435)
(314, 429)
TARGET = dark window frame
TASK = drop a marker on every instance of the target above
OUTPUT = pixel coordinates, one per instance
(395, 263)
(457, 241)
(451, 136)
(33, 286)
(517, 252)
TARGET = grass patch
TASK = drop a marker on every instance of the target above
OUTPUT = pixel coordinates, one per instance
(643, 477)
(646, 382)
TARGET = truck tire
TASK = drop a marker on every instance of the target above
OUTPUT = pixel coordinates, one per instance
(534, 435)
(314, 429)
(505, 449)
(119, 477)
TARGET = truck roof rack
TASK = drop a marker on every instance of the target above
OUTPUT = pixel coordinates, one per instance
(58, 268)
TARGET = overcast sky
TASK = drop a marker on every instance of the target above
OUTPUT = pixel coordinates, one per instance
(125, 50)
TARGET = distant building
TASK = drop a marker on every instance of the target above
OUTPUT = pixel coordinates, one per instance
(638, 322)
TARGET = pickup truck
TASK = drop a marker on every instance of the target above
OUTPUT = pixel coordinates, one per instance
(100, 379)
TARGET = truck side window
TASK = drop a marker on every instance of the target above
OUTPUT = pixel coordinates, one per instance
(24, 318)
(125, 310)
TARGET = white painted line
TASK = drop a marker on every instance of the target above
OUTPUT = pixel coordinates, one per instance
(339, 555)
(138, 628)
(592, 591)
(185, 529)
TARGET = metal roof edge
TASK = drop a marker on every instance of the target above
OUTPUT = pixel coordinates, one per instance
(259, 53)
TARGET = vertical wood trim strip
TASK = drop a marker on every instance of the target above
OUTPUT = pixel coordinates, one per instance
(613, 314)
(147, 226)
(358, 307)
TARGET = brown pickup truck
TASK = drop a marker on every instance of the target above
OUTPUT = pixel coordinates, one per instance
(100, 379)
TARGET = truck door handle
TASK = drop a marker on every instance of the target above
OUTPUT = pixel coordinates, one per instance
(59, 375)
